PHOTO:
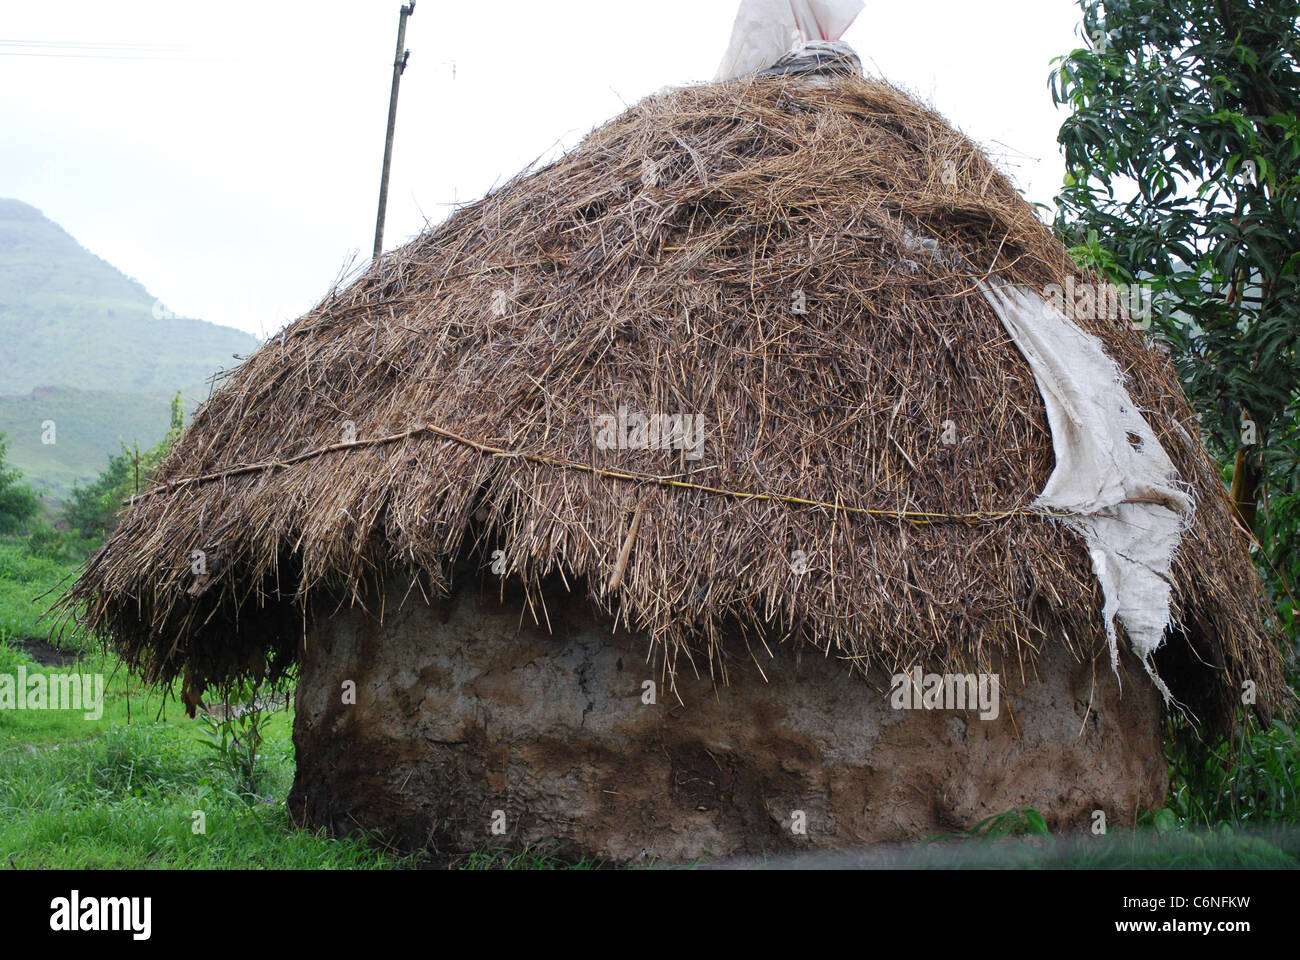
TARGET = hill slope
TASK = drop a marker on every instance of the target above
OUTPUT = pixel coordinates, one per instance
(68, 318)
(89, 426)
(83, 347)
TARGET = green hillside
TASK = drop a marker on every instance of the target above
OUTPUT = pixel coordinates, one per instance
(87, 427)
(83, 347)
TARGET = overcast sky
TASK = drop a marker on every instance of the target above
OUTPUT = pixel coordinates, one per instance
(227, 155)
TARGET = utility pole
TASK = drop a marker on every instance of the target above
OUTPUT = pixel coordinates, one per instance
(399, 67)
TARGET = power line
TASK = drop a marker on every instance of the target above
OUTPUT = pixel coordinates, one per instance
(88, 43)
(90, 56)
(92, 50)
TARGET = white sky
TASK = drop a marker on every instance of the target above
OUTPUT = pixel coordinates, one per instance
(233, 167)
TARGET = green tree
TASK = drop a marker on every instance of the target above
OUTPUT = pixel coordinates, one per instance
(18, 502)
(1183, 173)
(93, 509)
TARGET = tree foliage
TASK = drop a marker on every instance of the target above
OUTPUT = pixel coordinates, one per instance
(93, 509)
(1183, 173)
(18, 502)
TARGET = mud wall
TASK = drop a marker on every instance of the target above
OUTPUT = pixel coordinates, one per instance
(466, 714)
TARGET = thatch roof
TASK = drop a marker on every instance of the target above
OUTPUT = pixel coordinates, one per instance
(659, 267)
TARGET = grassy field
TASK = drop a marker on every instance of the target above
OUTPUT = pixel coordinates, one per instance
(122, 790)
(129, 788)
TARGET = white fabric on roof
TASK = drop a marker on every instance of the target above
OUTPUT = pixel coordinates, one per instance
(1099, 468)
(766, 30)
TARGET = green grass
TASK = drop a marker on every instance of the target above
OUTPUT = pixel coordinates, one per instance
(23, 580)
(533, 856)
(1145, 847)
(128, 798)
(1252, 779)
(1020, 839)
(121, 791)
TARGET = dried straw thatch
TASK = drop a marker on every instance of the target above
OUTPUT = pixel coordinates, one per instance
(660, 267)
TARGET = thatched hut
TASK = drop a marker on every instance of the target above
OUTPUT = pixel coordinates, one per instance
(611, 508)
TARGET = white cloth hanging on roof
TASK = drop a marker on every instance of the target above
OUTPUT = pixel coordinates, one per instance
(1107, 457)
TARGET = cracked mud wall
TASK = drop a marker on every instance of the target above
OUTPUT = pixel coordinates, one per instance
(466, 707)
